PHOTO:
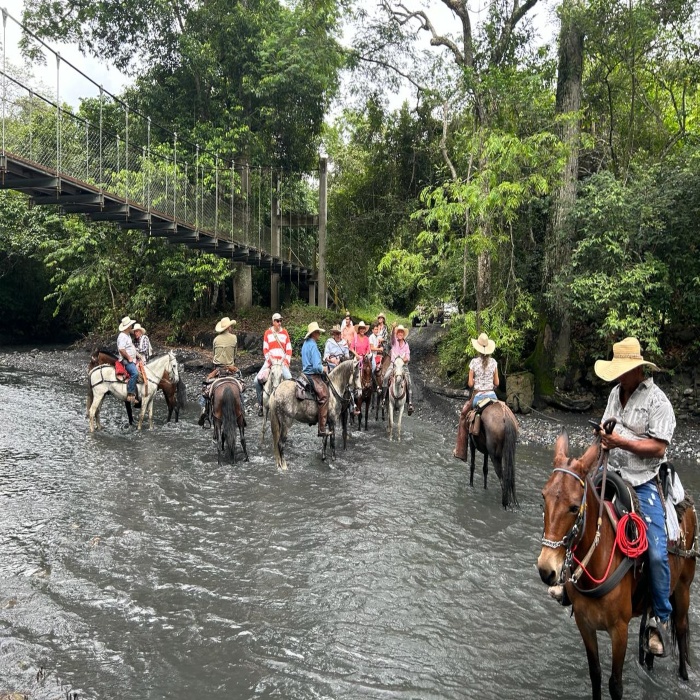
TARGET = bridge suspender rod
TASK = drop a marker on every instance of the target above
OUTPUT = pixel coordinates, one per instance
(175, 175)
(4, 75)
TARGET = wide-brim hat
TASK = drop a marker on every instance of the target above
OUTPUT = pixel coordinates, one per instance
(312, 328)
(402, 328)
(381, 315)
(223, 324)
(139, 327)
(483, 344)
(361, 324)
(335, 329)
(627, 354)
(125, 323)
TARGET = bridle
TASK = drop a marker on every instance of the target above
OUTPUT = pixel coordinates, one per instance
(573, 535)
(344, 403)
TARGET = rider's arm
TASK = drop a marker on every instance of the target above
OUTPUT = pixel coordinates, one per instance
(288, 349)
(495, 377)
(646, 448)
(470, 381)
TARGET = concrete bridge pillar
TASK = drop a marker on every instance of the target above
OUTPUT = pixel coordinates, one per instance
(322, 221)
(243, 277)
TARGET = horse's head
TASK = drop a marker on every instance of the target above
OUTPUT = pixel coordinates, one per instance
(275, 377)
(173, 369)
(564, 497)
(366, 374)
(399, 376)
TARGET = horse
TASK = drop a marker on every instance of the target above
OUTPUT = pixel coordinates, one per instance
(274, 379)
(397, 397)
(368, 388)
(175, 392)
(384, 365)
(285, 408)
(227, 414)
(569, 499)
(496, 439)
(103, 380)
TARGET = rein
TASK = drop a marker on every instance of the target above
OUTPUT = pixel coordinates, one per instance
(344, 403)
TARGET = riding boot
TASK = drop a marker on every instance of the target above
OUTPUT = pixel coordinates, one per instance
(323, 430)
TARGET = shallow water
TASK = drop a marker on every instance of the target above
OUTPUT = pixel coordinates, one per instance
(133, 565)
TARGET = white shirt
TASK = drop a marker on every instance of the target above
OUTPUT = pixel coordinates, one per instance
(124, 342)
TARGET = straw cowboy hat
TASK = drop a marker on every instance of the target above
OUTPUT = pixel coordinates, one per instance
(381, 315)
(126, 322)
(223, 324)
(335, 329)
(362, 324)
(139, 327)
(627, 354)
(401, 328)
(312, 328)
(483, 344)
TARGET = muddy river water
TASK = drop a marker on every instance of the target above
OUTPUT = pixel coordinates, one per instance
(132, 565)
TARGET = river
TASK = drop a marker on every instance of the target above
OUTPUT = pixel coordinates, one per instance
(132, 565)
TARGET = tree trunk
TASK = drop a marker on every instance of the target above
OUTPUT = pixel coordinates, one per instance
(559, 230)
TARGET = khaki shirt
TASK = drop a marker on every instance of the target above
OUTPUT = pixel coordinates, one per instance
(225, 349)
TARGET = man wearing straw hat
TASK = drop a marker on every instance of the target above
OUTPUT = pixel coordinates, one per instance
(312, 368)
(637, 449)
(334, 353)
(224, 346)
(127, 352)
(399, 348)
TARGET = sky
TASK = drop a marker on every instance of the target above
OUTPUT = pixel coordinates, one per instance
(72, 86)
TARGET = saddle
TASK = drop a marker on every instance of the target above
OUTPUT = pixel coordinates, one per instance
(617, 492)
(120, 371)
(302, 384)
(475, 413)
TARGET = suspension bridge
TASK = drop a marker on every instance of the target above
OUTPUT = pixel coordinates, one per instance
(113, 164)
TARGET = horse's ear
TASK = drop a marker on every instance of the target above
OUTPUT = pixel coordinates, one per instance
(589, 459)
(561, 446)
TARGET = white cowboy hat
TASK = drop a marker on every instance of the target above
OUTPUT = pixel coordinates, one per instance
(627, 354)
(126, 322)
(139, 327)
(362, 324)
(223, 324)
(483, 344)
(312, 328)
(276, 317)
(402, 328)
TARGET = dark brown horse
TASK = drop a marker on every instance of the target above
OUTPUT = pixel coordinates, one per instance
(175, 393)
(227, 415)
(496, 439)
(384, 365)
(368, 388)
(571, 505)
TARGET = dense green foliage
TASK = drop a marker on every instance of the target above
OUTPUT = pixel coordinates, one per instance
(449, 197)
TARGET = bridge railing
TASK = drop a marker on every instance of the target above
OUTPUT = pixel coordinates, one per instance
(122, 152)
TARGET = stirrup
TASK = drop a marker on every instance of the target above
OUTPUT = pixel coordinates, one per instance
(656, 628)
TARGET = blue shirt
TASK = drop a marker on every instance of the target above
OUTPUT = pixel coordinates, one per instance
(311, 358)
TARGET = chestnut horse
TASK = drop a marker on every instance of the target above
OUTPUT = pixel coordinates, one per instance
(174, 392)
(571, 504)
(227, 415)
(497, 437)
(384, 364)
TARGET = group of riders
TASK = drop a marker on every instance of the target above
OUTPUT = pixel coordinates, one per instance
(346, 340)
(636, 448)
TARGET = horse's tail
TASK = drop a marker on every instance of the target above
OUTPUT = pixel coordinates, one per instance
(229, 420)
(510, 437)
(181, 394)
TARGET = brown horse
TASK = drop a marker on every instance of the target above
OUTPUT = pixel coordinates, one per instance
(496, 439)
(571, 504)
(384, 365)
(226, 416)
(174, 392)
(368, 388)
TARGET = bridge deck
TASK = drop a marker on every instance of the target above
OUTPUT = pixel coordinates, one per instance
(47, 187)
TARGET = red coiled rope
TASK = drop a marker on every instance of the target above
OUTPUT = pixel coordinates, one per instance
(636, 547)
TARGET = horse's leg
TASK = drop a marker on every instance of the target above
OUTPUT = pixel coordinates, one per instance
(398, 425)
(94, 413)
(367, 406)
(129, 412)
(618, 637)
(390, 427)
(472, 452)
(486, 467)
(680, 600)
(150, 412)
(344, 423)
(590, 641)
(323, 448)
(241, 433)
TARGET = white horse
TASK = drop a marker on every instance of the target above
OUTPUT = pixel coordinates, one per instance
(274, 379)
(397, 397)
(285, 408)
(103, 380)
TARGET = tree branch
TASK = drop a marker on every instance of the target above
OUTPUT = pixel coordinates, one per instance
(390, 67)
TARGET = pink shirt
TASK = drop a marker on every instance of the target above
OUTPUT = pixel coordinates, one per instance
(400, 349)
(361, 345)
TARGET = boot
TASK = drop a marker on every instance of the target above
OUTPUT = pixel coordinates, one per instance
(476, 425)
(323, 430)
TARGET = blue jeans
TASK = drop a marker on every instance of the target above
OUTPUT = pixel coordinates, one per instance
(659, 571)
(133, 376)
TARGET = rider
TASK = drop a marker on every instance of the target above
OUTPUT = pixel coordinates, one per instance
(224, 346)
(399, 348)
(127, 352)
(382, 330)
(277, 347)
(361, 344)
(483, 379)
(376, 346)
(347, 330)
(334, 352)
(645, 425)
(143, 344)
(313, 369)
